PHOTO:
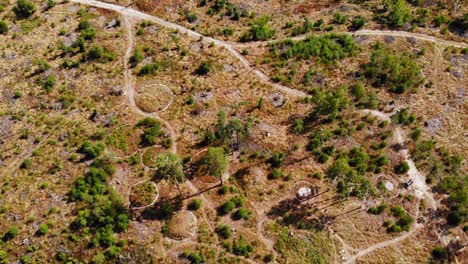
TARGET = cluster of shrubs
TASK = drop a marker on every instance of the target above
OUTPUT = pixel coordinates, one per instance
(92, 52)
(238, 202)
(403, 223)
(224, 8)
(102, 209)
(397, 73)
(24, 9)
(240, 247)
(151, 131)
(349, 169)
(327, 48)
(225, 129)
(259, 31)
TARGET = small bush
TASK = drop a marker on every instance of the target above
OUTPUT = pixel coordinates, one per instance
(402, 168)
(12, 232)
(194, 205)
(276, 174)
(439, 253)
(339, 18)
(150, 68)
(3, 27)
(204, 68)
(24, 8)
(227, 207)
(241, 213)
(224, 231)
(358, 22)
(26, 164)
(43, 229)
(49, 83)
(91, 150)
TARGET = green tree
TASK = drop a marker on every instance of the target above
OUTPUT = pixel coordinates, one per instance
(43, 229)
(12, 232)
(402, 168)
(3, 27)
(24, 8)
(170, 167)
(358, 22)
(399, 13)
(216, 162)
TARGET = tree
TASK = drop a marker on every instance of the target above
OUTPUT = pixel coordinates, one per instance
(399, 73)
(43, 229)
(13, 231)
(358, 22)
(138, 56)
(399, 13)
(24, 8)
(402, 168)
(170, 167)
(439, 253)
(258, 31)
(204, 68)
(216, 162)
(3, 27)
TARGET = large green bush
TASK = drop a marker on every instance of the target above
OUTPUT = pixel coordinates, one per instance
(398, 73)
(3, 27)
(24, 8)
(327, 48)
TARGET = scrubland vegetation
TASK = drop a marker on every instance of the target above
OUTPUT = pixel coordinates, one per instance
(89, 176)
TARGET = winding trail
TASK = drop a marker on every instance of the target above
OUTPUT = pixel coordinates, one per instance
(421, 188)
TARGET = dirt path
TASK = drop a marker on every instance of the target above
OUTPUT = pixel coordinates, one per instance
(383, 244)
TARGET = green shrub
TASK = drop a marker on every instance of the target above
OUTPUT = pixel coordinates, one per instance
(150, 68)
(358, 22)
(276, 174)
(49, 83)
(194, 257)
(258, 31)
(91, 150)
(398, 211)
(227, 207)
(398, 73)
(3, 256)
(328, 48)
(138, 55)
(112, 252)
(26, 164)
(43, 229)
(204, 68)
(224, 231)
(399, 13)
(402, 168)
(24, 8)
(12, 232)
(241, 213)
(439, 253)
(298, 126)
(195, 204)
(151, 130)
(339, 18)
(441, 19)
(3, 27)
(242, 247)
(83, 25)
(276, 159)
